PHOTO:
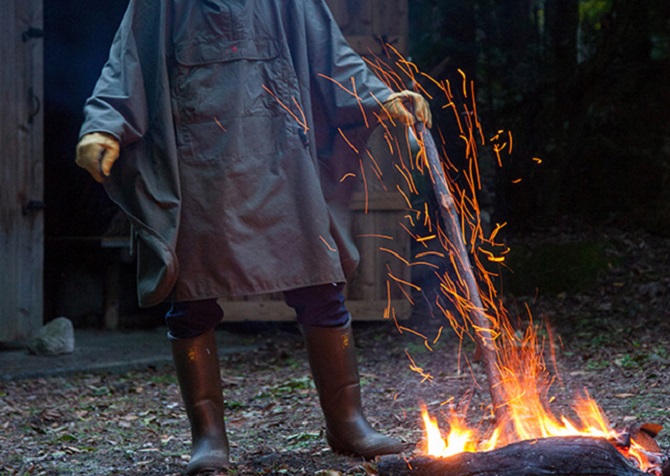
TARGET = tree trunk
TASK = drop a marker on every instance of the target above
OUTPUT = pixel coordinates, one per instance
(566, 119)
(570, 456)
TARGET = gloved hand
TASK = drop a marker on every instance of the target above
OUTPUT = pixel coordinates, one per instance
(97, 152)
(396, 107)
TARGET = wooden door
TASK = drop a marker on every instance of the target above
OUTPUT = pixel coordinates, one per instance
(21, 169)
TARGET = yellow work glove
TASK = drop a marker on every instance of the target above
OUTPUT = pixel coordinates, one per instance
(97, 152)
(396, 106)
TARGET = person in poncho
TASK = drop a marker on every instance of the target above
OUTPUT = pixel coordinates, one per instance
(232, 122)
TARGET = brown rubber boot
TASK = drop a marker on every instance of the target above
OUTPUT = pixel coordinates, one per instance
(332, 358)
(199, 378)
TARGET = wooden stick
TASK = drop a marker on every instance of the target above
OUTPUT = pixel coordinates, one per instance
(450, 218)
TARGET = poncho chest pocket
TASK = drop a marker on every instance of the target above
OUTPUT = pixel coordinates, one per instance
(228, 99)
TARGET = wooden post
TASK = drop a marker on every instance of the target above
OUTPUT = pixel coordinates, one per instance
(21, 169)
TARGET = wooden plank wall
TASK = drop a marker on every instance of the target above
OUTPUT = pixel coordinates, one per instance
(21, 169)
(369, 24)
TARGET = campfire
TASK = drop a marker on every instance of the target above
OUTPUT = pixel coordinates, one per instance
(527, 438)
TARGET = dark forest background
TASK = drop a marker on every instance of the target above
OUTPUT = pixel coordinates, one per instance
(581, 84)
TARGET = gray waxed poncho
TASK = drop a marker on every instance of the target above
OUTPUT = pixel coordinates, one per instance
(231, 116)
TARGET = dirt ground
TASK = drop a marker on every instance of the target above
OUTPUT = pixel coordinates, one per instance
(613, 340)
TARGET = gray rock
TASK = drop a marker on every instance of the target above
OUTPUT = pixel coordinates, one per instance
(54, 338)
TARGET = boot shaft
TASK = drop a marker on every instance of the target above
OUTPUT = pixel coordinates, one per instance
(199, 375)
(332, 358)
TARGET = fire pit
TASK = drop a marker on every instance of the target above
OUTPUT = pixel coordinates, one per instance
(573, 456)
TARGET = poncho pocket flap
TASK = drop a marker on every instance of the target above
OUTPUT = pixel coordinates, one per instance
(219, 51)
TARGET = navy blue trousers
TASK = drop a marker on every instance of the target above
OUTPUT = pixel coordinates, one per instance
(316, 306)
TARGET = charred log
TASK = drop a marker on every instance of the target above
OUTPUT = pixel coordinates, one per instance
(569, 456)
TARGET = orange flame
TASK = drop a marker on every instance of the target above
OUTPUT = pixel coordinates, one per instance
(459, 440)
(535, 422)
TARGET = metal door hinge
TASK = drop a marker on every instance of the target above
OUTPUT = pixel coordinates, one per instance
(31, 33)
(33, 206)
